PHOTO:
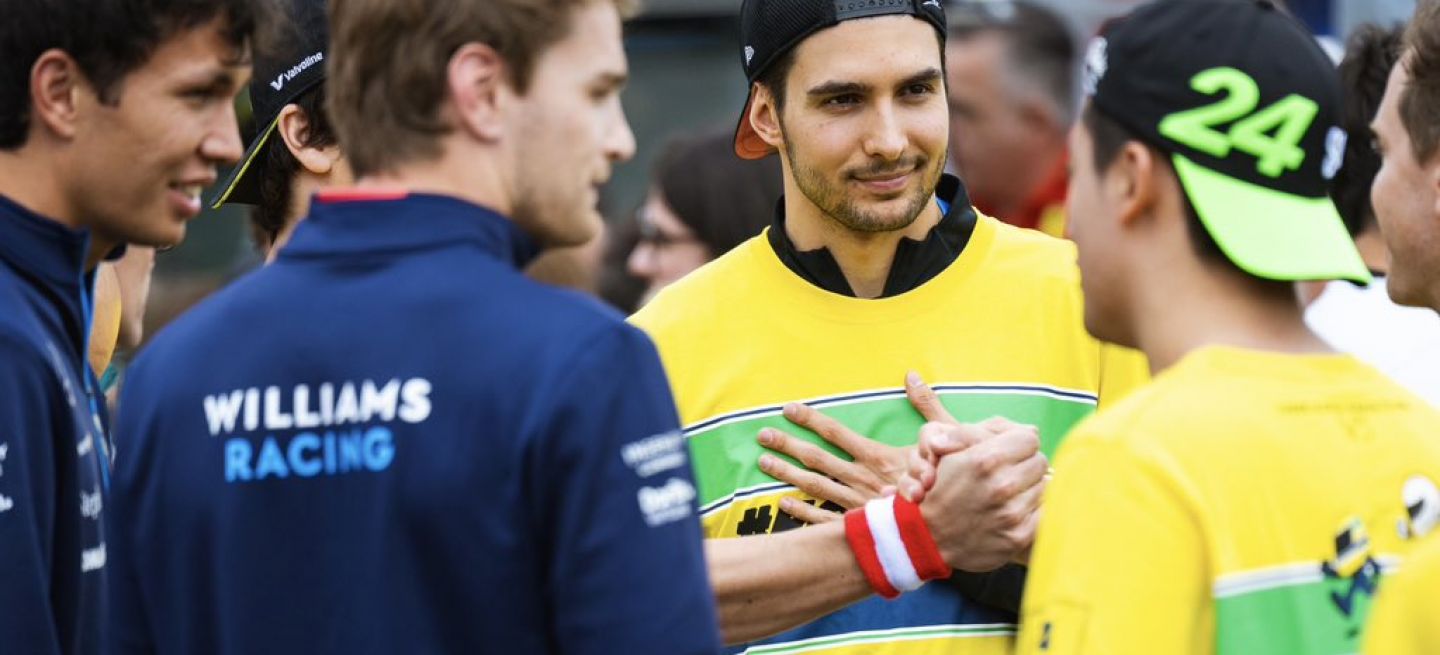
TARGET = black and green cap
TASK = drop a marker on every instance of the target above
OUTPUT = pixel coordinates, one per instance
(282, 73)
(1247, 105)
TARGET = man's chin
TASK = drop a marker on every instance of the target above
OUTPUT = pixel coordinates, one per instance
(584, 229)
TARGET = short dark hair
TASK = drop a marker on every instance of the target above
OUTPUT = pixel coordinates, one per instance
(1040, 46)
(723, 199)
(1369, 55)
(275, 183)
(108, 39)
(1108, 136)
(1420, 104)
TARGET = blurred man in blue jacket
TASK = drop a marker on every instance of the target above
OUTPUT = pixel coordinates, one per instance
(391, 441)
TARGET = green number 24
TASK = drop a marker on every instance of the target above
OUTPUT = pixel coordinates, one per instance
(1288, 119)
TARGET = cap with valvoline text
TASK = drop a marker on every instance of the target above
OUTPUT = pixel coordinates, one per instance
(281, 75)
(1247, 105)
(771, 28)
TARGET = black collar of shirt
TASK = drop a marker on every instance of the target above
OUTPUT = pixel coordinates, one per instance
(916, 262)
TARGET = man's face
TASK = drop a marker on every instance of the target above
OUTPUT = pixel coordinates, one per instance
(572, 129)
(1405, 200)
(864, 124)
(138, 164)
(1093, 228)
(988, 134)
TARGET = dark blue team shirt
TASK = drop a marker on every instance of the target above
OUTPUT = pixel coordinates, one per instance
(52, 467)
(391, 441)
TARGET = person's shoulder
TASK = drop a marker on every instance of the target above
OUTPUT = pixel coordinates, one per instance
(697, 297)
(1027, 251)
(1145, 419)
(208, 324)
(23, 344)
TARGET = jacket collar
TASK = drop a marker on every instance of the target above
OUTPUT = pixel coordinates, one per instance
(916, 262)
(352, 222)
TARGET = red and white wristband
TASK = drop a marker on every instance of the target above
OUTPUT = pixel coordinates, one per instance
(894, 546)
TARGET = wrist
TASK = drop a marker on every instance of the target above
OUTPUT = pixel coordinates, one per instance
(894, 546)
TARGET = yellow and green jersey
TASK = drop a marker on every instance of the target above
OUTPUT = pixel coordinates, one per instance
(998, 333)
(1406, 618)
(1245, 502)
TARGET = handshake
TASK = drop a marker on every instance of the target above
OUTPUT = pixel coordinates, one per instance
(978, 486)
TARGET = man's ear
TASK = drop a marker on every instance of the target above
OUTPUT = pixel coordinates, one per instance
(55, 87)
(477, 82)
(293, 127)
(1135, 178)
(765, 117)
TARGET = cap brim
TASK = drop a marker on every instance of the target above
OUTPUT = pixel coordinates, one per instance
(241, 185)
(1271, 234)
(748, 144)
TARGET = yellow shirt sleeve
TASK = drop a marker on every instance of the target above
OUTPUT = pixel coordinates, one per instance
(1405, 619)
(1119, 566)
(1122, 370)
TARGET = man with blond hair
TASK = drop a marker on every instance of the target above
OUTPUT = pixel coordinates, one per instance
(409, 447)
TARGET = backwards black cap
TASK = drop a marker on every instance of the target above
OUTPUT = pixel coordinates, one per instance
(771, 28)
(283, 74)
(1247, 105)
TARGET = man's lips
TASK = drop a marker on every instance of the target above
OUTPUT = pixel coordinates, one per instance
(886, 182)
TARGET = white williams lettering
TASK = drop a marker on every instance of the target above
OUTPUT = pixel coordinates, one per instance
(328, 404)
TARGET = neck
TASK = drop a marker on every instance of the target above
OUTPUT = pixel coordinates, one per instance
(29, 179)
(865, 258)
(1218, 308)
(471, 178)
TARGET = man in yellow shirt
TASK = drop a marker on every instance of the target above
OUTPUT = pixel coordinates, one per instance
(1251, 497)
(875, 265)
(1405, 196)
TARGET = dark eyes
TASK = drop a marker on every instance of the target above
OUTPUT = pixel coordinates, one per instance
(851, 99)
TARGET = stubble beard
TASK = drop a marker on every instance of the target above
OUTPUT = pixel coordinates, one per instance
(835, 203)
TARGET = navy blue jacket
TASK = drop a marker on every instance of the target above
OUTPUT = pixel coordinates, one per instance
(391, 441)
(52, 466)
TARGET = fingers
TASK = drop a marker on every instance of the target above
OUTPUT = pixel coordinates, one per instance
(1011, 447)
(919, 479)
(925, 400)
(807, 513)
(813, 484)
(999, 424)
(828, 428)
(941, 439)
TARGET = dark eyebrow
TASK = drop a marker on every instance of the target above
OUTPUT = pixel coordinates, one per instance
(836, 88)
(227, 77)
(923, 77)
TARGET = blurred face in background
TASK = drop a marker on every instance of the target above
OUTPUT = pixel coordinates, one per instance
(1002, 140)
(668, 249)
